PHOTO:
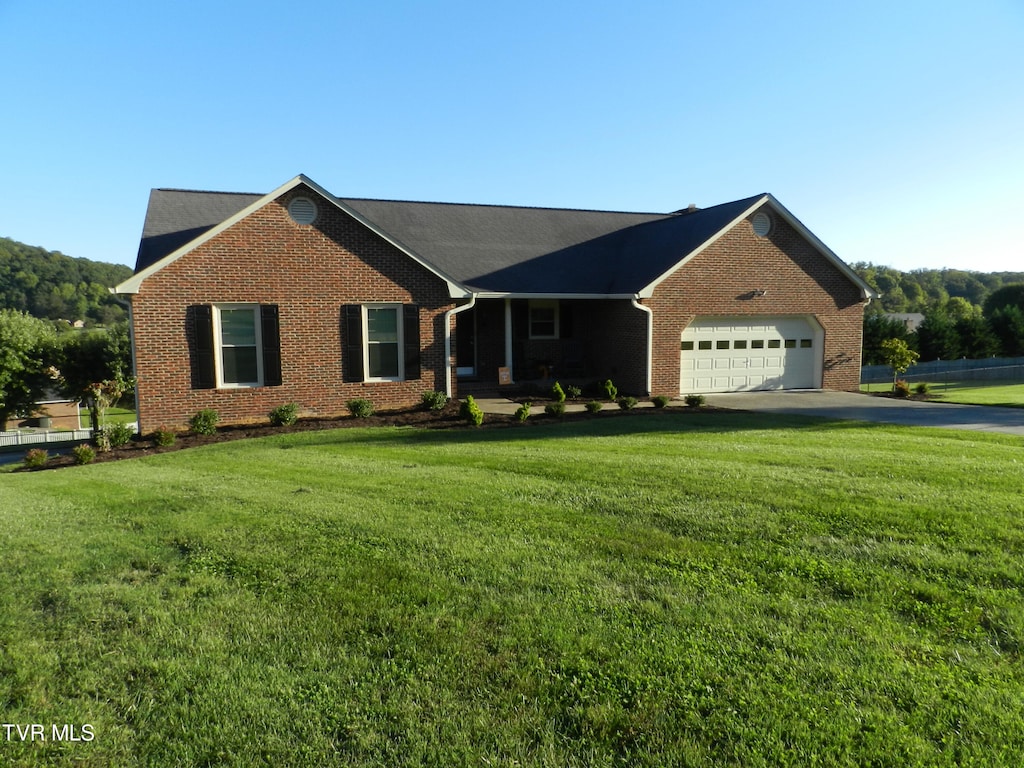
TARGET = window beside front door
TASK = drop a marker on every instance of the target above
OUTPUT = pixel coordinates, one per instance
(543, 319)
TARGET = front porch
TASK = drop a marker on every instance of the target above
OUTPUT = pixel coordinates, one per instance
(540, 341)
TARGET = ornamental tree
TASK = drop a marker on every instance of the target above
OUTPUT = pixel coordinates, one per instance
(25, 343)
(898, 356)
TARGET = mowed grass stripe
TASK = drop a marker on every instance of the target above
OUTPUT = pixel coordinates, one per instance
(664, 590)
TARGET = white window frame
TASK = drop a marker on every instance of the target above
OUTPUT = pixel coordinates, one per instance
(545, 304)
(398, 307)
(218, 347)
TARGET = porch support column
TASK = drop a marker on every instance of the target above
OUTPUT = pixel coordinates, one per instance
(508, 338)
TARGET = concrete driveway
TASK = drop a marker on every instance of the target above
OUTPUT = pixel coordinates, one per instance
(851, 405)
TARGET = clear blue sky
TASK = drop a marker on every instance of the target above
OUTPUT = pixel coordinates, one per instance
(894, 130)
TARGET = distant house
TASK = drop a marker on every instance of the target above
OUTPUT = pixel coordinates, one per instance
(242, 302)
(910, 320)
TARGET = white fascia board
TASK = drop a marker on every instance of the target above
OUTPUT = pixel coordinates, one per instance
(133, 284)
(647, 291)
(514, 295)
(793, 221)
(866, 291)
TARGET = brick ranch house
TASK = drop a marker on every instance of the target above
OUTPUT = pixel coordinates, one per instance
(244, 302)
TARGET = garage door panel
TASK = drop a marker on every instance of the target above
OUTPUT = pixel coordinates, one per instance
(733, 352)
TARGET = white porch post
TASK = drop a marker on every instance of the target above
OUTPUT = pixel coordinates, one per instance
(508, 338)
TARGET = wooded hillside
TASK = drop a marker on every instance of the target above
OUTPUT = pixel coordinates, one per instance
(924, 289)
(50, 285)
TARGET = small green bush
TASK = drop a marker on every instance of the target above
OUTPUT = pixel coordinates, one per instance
(573, 392)
(36, 458)
(118, 435)
(470, 411)
(626, 403)
(360, 407)
(594, 406)
(204, 422)
(434, 401)
(557, 393)
(694, 401)
(164, 437)
(900, 388)
(84, 454)
(660, 401)
(555, 409)
(610, 390)
(922, 387)
(284, 415)
(523, 412)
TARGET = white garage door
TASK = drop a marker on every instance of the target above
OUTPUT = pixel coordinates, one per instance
(733, 355)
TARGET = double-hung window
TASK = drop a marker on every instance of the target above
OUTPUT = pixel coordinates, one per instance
(234, 345)
(237, 334)
(543, 319)
(380, 342)
(383, 342)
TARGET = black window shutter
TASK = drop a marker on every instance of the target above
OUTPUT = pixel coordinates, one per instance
(565, 329)
(271, 339)
(411, 340)
(352, 342)
(200, 332)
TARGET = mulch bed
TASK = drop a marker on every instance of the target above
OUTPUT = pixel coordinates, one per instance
(448, 418)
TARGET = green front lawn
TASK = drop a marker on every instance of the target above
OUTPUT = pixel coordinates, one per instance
(1010, 394)
(667, 589)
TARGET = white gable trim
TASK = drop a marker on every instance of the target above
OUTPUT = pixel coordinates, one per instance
(134, 283)
(769, 201)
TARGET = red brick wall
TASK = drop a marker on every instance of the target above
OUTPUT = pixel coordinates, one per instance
(309, 272)
(797, 279)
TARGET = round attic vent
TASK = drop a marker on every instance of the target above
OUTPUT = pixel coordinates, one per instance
(762, 223)
(302, 210)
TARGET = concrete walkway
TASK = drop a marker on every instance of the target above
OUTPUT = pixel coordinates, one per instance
(833, 405)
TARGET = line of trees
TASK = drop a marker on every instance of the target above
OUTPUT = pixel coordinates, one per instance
(38, 361)
(953, 325)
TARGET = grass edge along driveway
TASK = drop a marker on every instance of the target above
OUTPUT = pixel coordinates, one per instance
(728, 589)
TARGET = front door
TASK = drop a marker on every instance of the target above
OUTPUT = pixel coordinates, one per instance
(465, 343)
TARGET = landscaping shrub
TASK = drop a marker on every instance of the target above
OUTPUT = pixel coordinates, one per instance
(626, 403)
(360, 407)
(471, 412)
(36, 458)
(434, 401)
(557, 393)
(900, 388)
(523, 412)
(595, 406)
(84, 454)
(694, 401)
(164, 437)
(660, 401)
(922, 387)
(573, 392)
(555, 409)
(204, 422)
(610, 390)
(118, 435)
(284, 415)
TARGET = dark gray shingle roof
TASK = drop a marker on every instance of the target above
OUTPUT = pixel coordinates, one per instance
(500, 249)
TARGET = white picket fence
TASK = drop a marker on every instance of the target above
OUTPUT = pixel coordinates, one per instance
(19, 438)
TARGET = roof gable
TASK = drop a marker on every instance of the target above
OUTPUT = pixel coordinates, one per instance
(486, 249)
